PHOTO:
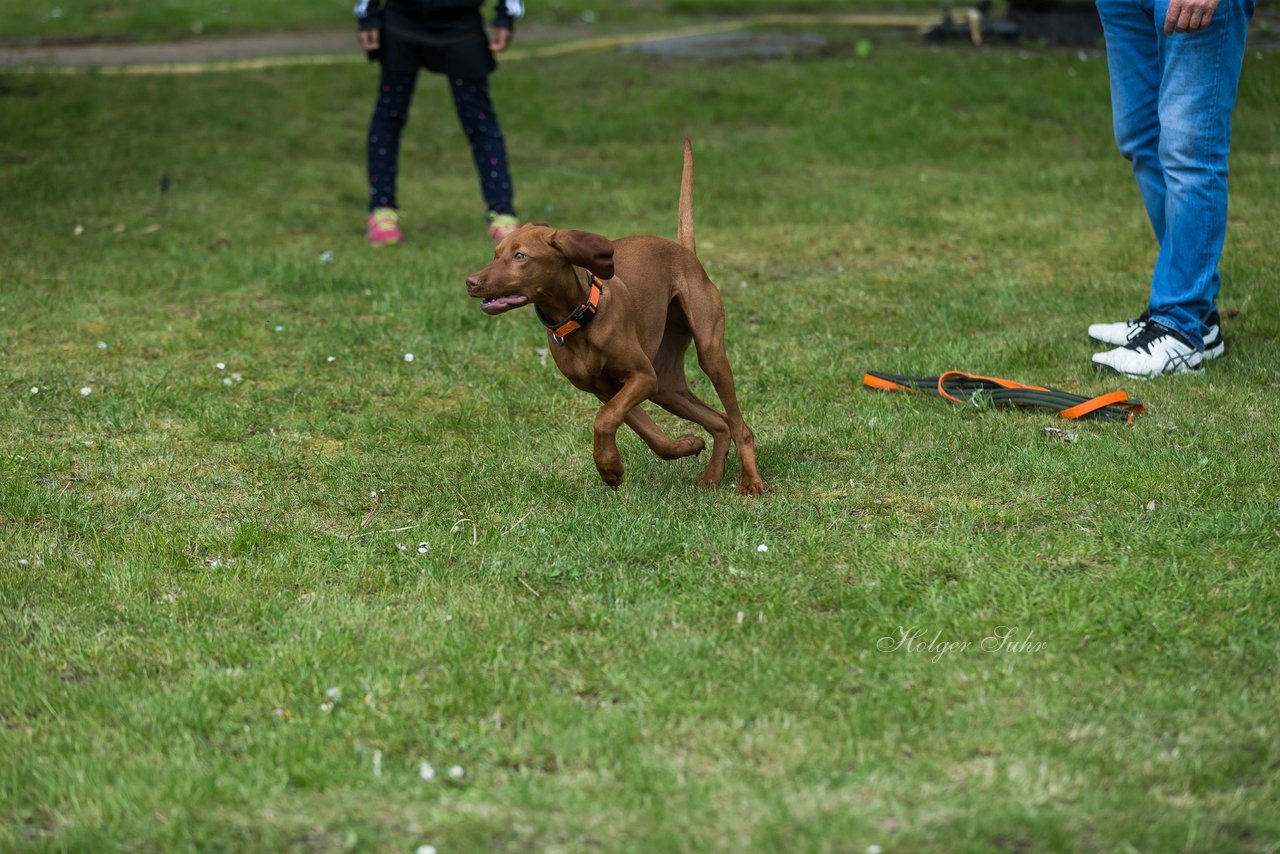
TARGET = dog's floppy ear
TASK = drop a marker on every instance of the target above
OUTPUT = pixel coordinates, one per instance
(584, 249)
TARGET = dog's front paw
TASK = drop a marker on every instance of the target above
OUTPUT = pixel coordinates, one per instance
(706, 481)
(610, 471)
(751, 486)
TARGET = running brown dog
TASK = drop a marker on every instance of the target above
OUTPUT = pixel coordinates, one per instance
(624, 339)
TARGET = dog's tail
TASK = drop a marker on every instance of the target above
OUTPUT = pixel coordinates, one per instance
(685, 226)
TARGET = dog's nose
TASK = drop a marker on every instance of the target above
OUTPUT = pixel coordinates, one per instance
(472, 284)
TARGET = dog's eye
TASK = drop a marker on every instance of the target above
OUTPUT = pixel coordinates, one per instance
(519, 256)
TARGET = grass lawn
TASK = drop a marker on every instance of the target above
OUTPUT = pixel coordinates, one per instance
(148, 19)
(192, 557)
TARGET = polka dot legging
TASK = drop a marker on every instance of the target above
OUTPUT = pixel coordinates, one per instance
(475, 112)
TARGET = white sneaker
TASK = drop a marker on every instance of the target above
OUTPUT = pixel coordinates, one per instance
(1122, 332)
(1119, 333)
(1155, 351)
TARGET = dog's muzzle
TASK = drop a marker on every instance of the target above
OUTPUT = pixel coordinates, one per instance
(494, 304)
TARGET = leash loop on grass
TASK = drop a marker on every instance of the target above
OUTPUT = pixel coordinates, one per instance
(960, 387)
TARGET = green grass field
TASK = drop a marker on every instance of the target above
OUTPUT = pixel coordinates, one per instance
(192, 557)
(150, 20)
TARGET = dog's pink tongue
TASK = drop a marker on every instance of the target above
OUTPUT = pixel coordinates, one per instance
(500, 304)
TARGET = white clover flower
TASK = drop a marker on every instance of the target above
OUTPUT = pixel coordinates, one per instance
(35, 389)
(423, 548)
(456, 772)
(86, 391)
(331, 359)
(102, 345)
(426, 772)
(222, 366)
(762, 548)
(333, 695)
(279, 328)
(408, 357)
(426, 849)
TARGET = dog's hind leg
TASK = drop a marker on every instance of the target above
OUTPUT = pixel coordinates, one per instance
(658, 441)
(674, 395)
(685, 404)
(708, 339)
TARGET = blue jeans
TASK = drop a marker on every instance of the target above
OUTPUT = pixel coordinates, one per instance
(1171, 101)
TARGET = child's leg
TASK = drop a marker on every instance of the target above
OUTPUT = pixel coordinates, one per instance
(475, 112)
(395, 91)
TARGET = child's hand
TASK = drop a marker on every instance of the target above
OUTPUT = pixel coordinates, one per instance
(370, 39)
(499, 39)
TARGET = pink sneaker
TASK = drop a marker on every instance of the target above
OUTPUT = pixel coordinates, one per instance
(500, 225)
(384, 227)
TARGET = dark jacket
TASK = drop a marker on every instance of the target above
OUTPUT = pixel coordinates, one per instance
(370, 14)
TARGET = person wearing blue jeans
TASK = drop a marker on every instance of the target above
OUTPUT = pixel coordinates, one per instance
(1174, 68)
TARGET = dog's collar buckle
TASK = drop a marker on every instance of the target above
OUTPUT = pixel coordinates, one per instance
(580, 317)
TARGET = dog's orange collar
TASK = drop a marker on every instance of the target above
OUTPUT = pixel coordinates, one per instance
(581, 316)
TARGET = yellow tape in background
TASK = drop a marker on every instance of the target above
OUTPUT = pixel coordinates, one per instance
(585, 45)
